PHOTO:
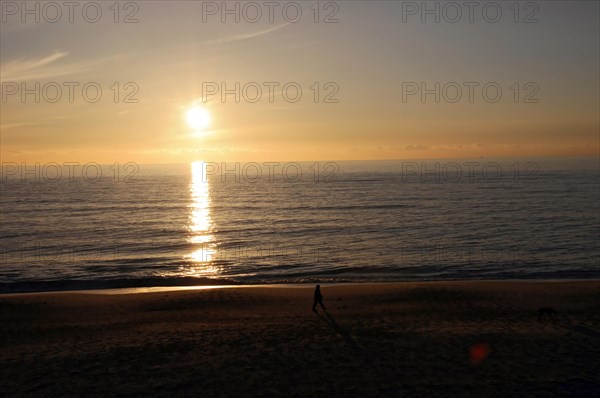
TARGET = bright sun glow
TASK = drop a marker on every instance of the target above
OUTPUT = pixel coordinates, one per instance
(197, 118)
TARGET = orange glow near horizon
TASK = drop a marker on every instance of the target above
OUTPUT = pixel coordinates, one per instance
(371, 87)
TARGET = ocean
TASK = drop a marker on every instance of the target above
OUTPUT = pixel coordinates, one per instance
(85, 226)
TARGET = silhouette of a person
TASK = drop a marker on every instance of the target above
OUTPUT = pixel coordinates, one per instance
(318, 298)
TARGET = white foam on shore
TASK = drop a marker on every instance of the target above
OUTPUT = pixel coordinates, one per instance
(156, 289)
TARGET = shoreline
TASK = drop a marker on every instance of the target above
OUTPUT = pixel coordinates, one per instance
(171, 288)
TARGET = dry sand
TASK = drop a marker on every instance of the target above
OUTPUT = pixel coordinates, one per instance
(403, 339)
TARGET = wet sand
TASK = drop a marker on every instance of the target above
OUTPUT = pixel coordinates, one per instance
(400, 339)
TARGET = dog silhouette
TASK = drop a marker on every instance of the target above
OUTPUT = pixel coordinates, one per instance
(548, 312)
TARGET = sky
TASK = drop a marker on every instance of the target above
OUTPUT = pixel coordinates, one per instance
(378, 80)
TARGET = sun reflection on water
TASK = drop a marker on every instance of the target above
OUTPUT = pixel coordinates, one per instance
(200, 224)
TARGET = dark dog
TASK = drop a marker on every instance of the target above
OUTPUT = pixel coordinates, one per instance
(549, 312)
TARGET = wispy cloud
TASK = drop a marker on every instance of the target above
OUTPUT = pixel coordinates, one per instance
(7, 126)
(245, 36)
(23, 69)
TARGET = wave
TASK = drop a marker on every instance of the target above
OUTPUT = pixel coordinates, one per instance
(95, 284)
(350, 276)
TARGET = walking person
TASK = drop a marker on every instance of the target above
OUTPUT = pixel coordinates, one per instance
(318, 299)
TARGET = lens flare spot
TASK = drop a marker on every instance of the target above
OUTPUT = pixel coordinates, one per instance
(478, 353)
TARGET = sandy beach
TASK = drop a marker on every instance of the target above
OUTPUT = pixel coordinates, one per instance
(480, 339)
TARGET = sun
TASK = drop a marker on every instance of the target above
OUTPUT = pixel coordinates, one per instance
(197, 118)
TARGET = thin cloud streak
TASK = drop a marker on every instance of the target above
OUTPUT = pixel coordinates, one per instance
(22, 69)
(244, 36)
(7, 126)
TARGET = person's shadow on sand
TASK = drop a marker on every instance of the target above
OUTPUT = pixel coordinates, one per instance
(339, 330)
(328, 318)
